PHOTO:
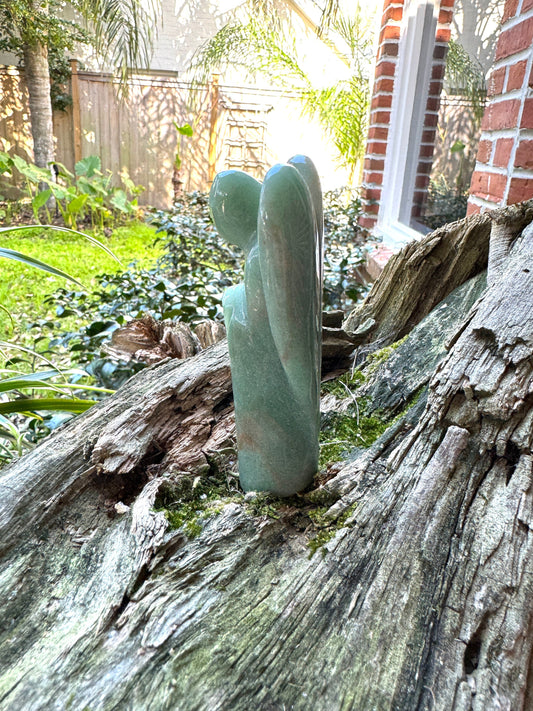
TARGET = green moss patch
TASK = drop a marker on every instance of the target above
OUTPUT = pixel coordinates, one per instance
(344, 385)
(358, 426)
(345, 431)
(188, 500)
(327, 528)
(374, 360)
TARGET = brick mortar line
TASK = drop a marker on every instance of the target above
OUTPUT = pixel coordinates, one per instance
(525, 133)
(522, 173)
(516, 141)
(517, 19)
(511, 59)
(492, 169)
(481, 202)
(508, 96)
(390, 23)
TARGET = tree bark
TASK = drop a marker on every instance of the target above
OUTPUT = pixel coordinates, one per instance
(37, 73)
(420, 599)
(416, 279)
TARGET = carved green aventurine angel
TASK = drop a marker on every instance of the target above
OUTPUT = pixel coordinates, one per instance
(273, 321)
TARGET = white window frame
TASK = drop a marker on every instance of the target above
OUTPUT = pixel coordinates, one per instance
(411, 88)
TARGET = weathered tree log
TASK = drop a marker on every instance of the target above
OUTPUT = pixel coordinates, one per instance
(423, 273)
(422, 599)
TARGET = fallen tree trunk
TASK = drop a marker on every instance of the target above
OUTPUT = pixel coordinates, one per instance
(416, 279)
(134, 575)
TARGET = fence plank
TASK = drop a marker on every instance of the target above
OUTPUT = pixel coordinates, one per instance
(136, 133)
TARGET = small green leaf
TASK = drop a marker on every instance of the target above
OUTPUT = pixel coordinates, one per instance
(6, 163)
(23, 404)
(120, 201)
(41, 199)
(76, 204)
(60, 192)
(88, 166)
(32, 172)
(185, 130)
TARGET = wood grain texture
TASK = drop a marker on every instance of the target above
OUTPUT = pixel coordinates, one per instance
(423, 599)
(424, 272)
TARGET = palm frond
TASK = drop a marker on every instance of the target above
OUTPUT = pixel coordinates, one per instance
(253, 47)
(465, 75)
(262, 48)
(124, 30)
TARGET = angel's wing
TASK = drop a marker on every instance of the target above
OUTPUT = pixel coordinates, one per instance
(287, 239)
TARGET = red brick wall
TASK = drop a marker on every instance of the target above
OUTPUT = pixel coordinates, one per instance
(380, 109)
(504, 169)
(378, 132)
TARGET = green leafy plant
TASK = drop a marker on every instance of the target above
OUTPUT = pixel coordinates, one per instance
(186, 284)
(87, 195)
(346, 247)
(445, 203)
(185, 130)
(192, 244)
(34, 403)
(465, 76)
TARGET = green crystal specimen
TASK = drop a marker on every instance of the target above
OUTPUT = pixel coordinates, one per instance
(273, 321)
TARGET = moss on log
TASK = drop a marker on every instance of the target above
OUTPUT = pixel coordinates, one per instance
(420, 596)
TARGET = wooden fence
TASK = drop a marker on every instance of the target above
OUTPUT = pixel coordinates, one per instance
(136, 133)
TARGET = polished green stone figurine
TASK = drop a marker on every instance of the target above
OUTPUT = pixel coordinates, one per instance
(273, 321)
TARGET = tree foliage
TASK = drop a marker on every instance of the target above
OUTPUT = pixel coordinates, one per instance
(267, 47)
(465, 75)
(121, 31)
(37, 32)
(23, 22)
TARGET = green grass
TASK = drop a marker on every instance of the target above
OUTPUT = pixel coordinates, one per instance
(23, 289)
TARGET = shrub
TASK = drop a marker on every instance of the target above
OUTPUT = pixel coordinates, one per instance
(194, 250)
(444, 204)
(188, 282)
(345, 249)
(87, 195)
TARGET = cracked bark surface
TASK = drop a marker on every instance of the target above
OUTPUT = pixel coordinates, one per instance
(423, 599)
(423, 273)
